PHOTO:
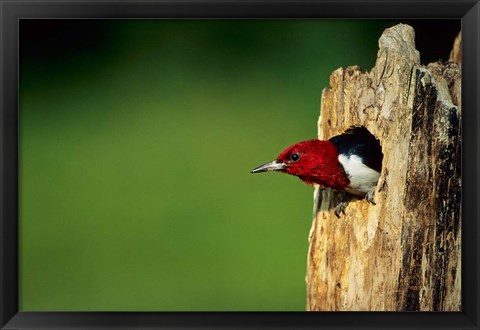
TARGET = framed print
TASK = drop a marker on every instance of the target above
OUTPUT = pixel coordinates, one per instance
(130, 132)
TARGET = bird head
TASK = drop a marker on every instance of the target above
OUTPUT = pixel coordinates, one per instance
(309, 160)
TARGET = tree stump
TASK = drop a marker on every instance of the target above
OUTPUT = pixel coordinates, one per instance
(404, 253)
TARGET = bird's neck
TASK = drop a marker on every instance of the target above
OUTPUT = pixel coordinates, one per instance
(324, 167)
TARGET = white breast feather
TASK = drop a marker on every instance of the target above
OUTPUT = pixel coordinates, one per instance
(362, 178)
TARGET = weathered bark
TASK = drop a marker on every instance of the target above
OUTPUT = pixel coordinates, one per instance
(404, 252)
(456, 53)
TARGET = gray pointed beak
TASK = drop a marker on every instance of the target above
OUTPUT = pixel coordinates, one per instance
(269, 167)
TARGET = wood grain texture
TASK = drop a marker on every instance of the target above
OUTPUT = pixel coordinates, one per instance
(404, 253)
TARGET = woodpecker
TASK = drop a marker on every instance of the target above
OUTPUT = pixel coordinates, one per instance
(350, 162)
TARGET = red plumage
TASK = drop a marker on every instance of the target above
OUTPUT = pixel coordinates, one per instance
(317, 163)
(349, 162)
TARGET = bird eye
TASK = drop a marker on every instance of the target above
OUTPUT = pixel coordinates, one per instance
(295, 157)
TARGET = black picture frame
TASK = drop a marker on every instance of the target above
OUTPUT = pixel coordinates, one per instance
(12, 10)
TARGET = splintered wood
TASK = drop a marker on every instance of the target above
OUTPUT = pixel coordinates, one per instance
(404, 253)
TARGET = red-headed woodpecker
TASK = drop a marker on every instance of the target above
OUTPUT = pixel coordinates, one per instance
(349, 162)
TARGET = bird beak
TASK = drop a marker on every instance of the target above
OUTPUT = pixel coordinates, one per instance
(269, 167)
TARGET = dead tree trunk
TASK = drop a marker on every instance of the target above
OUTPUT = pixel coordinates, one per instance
(404, 252)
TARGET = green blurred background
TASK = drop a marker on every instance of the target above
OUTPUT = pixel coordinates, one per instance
(137, 138)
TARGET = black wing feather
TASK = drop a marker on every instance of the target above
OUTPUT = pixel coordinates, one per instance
(359, 141)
